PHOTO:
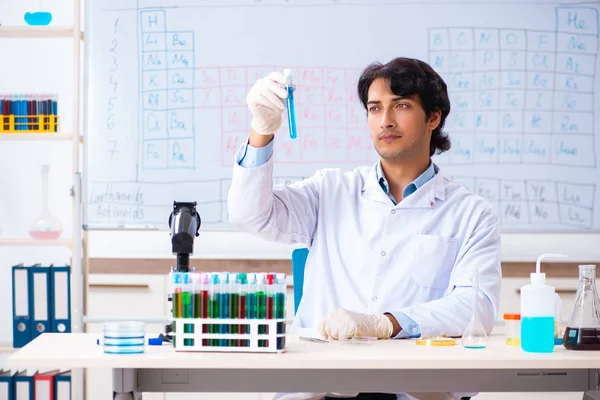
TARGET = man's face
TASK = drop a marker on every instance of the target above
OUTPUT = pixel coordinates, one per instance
(399, 128)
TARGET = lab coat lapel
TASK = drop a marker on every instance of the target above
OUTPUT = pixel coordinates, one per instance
(372, 189)
(427, 195)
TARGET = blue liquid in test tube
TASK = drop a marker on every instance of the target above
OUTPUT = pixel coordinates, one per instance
(290, 104)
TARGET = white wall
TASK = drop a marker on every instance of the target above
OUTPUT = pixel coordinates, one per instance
(239, 245)
(45, 66)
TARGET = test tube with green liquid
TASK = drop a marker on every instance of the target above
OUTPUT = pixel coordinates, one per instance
(261, 305)
(270, 300)
(234, 294)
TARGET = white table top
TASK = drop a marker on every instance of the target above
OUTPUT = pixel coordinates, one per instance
(79, 350)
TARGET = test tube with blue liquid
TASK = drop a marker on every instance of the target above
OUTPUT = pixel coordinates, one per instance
(290, 103)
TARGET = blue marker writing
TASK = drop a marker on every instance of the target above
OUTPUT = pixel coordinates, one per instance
(290, 103)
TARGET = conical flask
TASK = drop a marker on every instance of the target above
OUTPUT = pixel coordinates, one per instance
(583, 329)
(46, 226)
(38, 15)
(475, 336)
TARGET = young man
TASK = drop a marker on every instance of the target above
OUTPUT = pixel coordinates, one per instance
(393, 246)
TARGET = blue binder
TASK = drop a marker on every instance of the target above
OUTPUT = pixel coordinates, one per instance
(62, 386)
(21, 298)
(6, 385)
(60, 298)
(40, 300)
(23, 385)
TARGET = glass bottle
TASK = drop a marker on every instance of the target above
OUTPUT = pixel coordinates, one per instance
(583, 329)
(475, 336)
(46, 226)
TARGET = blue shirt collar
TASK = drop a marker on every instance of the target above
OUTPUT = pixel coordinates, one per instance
(411, 187)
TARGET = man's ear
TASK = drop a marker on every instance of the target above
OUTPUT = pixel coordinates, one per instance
(434, 119)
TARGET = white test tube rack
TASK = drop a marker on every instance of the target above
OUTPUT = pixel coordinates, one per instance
(252, 336)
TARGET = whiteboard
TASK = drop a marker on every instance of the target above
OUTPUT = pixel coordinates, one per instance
(166, 83)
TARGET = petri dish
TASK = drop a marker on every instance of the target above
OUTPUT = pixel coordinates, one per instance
(358, 340)
(124, 329)
(124, 337)
(129, 341)
(123, 349)
(436, 341)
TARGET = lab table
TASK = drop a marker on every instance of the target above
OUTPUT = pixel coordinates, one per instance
(384, 366)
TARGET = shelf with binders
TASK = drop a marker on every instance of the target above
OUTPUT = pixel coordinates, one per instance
(41, 301)
(35, 384)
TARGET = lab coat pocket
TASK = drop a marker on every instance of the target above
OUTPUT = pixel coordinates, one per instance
(433, 260)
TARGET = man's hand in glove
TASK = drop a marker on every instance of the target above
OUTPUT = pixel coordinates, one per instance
(342, 323)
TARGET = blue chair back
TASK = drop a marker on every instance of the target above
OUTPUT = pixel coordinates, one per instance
(298, 262)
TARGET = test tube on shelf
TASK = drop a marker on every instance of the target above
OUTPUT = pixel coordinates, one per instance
(26, 112)
(241, 309)
(280, 307)
(54, 112)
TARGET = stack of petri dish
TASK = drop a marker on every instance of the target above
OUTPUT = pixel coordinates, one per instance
(124, 337)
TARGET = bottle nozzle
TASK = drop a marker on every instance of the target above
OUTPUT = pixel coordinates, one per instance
(538, 277)
(548, 255)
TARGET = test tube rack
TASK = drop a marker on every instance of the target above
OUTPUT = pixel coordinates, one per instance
(195, 337)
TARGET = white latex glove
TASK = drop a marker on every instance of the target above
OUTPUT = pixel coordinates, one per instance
(266, 101)
(342, 323)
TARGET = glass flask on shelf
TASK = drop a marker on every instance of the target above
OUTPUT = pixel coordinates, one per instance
(38, 15)
(583, 329)
(475, 336)
(46, 226)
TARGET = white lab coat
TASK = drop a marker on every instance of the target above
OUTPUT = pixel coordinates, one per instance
(371, 256)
